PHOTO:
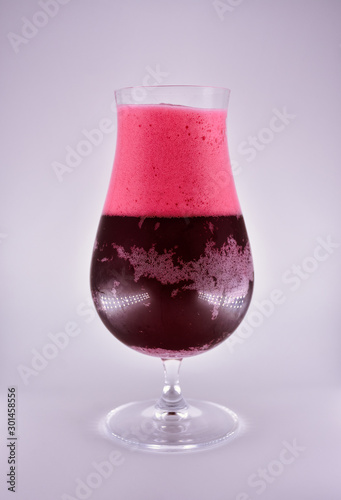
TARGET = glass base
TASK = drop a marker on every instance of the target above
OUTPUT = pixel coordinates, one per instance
(144, 425)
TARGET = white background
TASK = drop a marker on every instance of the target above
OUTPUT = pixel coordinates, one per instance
(283, 377)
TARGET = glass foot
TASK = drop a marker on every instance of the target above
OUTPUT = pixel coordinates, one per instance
(200, 424)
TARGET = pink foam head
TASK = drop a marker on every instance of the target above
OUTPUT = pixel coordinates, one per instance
(171, 161)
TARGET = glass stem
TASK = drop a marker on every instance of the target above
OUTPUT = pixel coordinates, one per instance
(171, 401)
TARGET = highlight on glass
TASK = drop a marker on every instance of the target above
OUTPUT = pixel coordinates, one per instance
(172, 272)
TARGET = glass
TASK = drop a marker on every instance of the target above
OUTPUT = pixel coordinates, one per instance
(172, 272)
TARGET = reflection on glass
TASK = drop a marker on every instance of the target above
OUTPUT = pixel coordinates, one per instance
(234, 302)
(119, 302)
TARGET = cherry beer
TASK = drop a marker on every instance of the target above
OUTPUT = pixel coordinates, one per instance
(172, 272)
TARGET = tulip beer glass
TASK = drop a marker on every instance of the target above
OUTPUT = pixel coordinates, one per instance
(172, 272)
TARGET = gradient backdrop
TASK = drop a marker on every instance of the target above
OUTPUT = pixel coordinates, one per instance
(61, 61)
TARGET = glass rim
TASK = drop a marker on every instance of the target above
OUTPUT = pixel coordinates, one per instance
(178, 85)
(201, 96)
